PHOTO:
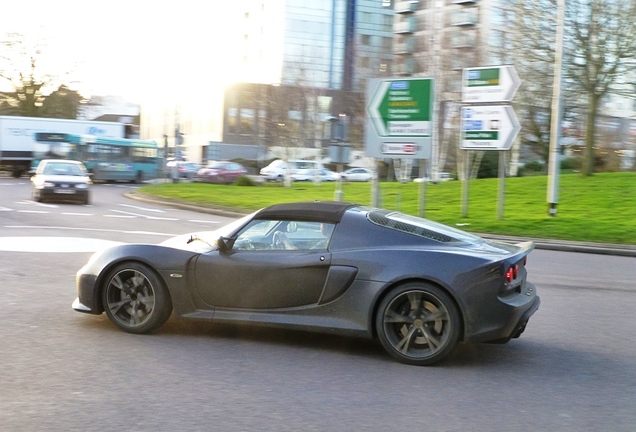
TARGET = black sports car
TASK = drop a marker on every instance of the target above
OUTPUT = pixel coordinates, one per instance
(418, 286)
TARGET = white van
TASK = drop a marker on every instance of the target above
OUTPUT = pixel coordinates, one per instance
(299, 170)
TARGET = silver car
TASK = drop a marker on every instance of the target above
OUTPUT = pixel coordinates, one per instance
(61, 180)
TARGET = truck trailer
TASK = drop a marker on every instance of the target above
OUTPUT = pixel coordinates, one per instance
(17, 137)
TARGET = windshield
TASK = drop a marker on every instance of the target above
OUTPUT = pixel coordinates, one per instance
(205, 241)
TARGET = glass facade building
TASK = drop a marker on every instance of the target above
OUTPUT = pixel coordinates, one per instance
(336, 44)
(314, 43)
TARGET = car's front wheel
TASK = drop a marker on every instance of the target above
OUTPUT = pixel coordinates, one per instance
(135, 298)
(418, 324)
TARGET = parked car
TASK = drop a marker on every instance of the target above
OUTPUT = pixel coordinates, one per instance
(220, 172)
(357, 174)
(186, 169)
(327, 175)
(61, 180)
(299, 170)
(419, 286)
(324, 174)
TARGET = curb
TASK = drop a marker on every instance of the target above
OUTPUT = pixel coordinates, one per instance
(570, 246)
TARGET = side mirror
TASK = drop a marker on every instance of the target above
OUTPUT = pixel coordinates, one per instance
(224, 244)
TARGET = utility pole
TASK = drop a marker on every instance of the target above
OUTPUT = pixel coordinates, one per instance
(554, 163)
(437, 46)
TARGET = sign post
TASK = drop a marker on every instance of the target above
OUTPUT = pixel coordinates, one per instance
(399, 122)
(486, 125)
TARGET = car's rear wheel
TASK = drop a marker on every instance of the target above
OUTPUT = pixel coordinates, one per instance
(135, 298)
(418, 323)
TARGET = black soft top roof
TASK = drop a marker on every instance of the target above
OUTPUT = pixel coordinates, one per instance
(319, 211)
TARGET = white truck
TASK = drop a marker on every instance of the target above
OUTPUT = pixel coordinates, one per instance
(17, 137)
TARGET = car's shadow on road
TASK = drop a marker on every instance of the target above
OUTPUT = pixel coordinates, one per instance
(464, 355)
(528, 353)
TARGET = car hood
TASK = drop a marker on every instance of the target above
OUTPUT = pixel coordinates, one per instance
(194, 242)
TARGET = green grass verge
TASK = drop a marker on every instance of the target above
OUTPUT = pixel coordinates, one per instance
(600, 208)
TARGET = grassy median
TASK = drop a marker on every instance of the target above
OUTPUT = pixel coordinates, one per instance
(600, 208)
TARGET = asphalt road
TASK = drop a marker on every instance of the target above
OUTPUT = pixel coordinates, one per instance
(572, 370)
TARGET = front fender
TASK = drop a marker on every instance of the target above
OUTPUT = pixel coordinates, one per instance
(163, 260)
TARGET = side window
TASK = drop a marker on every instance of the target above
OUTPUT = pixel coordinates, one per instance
(284, 235)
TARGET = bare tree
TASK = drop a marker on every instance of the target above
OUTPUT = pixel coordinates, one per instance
(20, 70)
(534, 61)
(600, 52)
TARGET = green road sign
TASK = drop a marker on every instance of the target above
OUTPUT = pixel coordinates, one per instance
(399, 118)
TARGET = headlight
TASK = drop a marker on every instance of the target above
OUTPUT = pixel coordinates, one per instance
(81, 186)
(48, 184)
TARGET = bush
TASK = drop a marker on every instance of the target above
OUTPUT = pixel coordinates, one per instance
(571, 164)
(245, 181)
(489, 167)
(535, 166)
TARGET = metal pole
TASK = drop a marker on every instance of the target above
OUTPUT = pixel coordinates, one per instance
(422, 194)
(435, 168)
(465, 185)
(338, 192)
(502, 184)
(555, 127)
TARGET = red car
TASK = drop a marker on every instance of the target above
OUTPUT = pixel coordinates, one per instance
(220, 172)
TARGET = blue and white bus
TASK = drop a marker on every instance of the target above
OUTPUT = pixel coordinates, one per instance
(107, 158)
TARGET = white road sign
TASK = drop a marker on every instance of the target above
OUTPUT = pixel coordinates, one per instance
(490, 84)
(489, 127)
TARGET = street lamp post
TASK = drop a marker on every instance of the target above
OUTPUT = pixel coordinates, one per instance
(554, 164)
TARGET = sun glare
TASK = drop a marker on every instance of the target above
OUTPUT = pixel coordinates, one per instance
(151, 51)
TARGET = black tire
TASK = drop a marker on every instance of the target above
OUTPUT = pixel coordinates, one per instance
(135, 298)
(418, 324)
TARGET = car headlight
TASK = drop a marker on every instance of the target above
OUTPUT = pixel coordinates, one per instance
(48, 184)
(81, 186)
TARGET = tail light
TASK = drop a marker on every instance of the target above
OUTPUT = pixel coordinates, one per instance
(512, 273)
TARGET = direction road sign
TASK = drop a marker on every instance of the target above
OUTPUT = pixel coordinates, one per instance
(490, 84)
(399, 118)
(489, 127)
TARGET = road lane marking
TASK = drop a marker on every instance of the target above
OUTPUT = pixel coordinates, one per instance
(142, 208)
(144, 216)
(91, 229)
(53, 244)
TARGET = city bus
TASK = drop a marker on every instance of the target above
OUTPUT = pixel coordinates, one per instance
(106, 158)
